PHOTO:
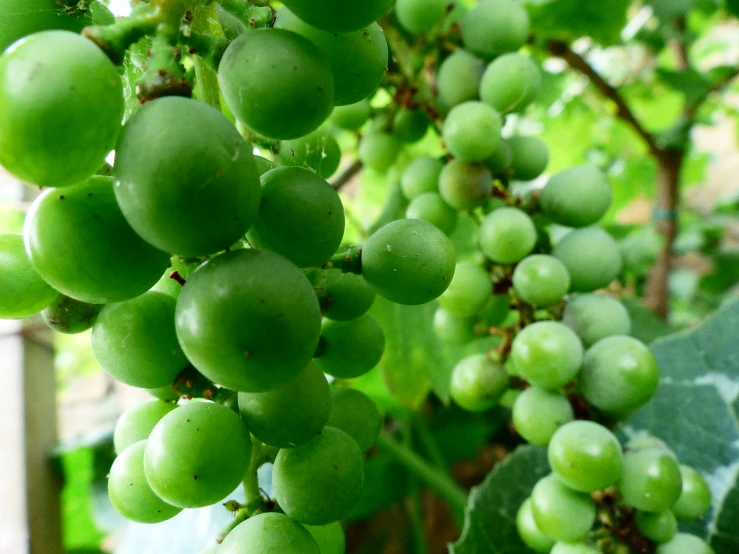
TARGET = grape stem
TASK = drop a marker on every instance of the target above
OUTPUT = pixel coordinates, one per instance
(249, 14)
(192, 384)
(348, 261)
(415, 511)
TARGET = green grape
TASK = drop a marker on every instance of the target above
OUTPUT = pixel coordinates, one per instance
(478, 383)
(650, 481)
(293, 413)
(197, 454)
(329, 538)
(538, 413)
(129, 491)
(168, 394)
(213, 549)
(510, 83)
(659, 527)
(348, 295)
(576, 197)
(530, 534)
(69, 316)
(507, 235)
(269, 533)
(619, 375)
(318, 151)
(80, 243)
(541, 280)
(585, 456)
(596, 316)
(338, 15)
(356, 414)
(472, 131)
(431, 207)
(62, 102)
(277, 83)
(458, 78)
(137, 422)
(352, 116)
(529, 157)
(300, 217)
(263, 165)
(411, 125)
(684, 543)
(358, 59)
(560, 512)
(420, 16)
(191, 205)
(695, 498)
(248, 320)
(573, 548)
(169, 283)
(495, 310)
(643, 441)
(320, 482)
(500, 162)
(547, 354)
(421, 176)
(591, 256)
(349, 349)
(468, 291)
(452, 329)
(465, 186)
(379, 150)
(135, 341)
(495, 27)
(24, 292)
(408, 261)
(23, 18)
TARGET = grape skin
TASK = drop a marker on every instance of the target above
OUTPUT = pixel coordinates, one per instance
(420, 16)
(651, 480)
(695, 498)
(352, 116)
(269, 533)
(24, 291)
(468, 291)
(560, 512)
(350, 349)
(495, 27)
(683, 543)
(69, 316)
(529, 158)
(431, 207)
(538, 413)
(472, 131)
(379, 150)
(329, 538)
(596, 316)
(507, 235)
(598, 268)
(530, 534)
(421, 177)
(657, 526)
(478, 383)
(576, 197)
(348, 295)
(338, 15)
(541, 280)
(137, 422)
(458, 78)
(317, 151)
(356, 414)
(452, 329)
(465, 186)
(510, 83)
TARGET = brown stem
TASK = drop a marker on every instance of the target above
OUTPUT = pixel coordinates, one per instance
(347, 176)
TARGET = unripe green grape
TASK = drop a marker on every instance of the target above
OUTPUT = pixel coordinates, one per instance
(684, 543)
(507, 235)
(430, 206)
(379, 150)
(560, 512)
(69, 316)
(500, 162)
(167, 393)
(191, 205)
(420, 16)
(576, 197)
(411, 125)
(358, 59)
(54, 131)
(468, 291)
(650, 480)
(458, 78)
(329, 538)
(172, 284)
(573, 548)
(351, 116)
(510, 83)
(530, 157)
(591, 256)
(547, 354)
(348, 295)
(495, 27)
(135, 341)
(68, 236)
(24, 292)
(317, 151)
(538, 413)
(495, 310)
(695, 498)
(300, 217)
(619, 375)
(277, 83)
(320, 482)
(472, 131)
(596, 316)
(337, 15)
(644, 441)
(452, 329)
(541, 280)
(478, 383)
(421, 176)
(530, 534)
(659, 527)
(249, 320)
(263, 165)
(349, 349)
(585, 456)
(269, 533)
(293, 413)
(33, 16)
(136, 423)
(408, 261)
(465, 186)
(129, 491)
(356, 414)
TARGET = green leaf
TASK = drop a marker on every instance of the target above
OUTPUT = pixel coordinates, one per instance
(572, 19)
(645, 325)
(732, 6)
(691, 83)
(490, 521)
(667, 10)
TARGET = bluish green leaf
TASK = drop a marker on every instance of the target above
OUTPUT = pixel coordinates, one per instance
(572, 19)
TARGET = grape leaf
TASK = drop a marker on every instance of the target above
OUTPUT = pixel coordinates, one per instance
(572, 19)
(667, 10)
(490, 519)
